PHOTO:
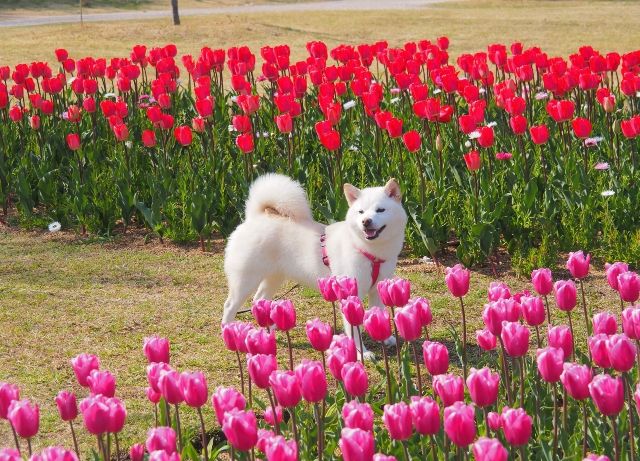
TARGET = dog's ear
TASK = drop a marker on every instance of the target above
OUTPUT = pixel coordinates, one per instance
(392, 189)
(351, 193)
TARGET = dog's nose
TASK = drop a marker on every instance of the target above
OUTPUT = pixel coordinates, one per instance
(366, 222)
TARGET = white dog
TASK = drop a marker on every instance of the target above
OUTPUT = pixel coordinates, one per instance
(279, 240)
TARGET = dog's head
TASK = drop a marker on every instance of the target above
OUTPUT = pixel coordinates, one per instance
(376, 213)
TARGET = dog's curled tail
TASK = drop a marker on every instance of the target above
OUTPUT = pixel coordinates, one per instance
(279, 195)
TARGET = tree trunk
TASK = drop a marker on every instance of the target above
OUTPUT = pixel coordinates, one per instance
(176, 15)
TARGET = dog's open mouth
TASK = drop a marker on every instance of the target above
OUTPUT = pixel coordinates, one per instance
(372, 234)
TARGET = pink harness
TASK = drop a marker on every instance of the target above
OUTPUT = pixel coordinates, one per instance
(375, 262)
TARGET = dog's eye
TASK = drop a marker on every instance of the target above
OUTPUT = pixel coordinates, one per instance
(361, 211)
(380, 210)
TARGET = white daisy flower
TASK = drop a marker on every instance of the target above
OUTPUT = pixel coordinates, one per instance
(607, 193)
(492, 124)
(349, 104)
(474, 135)
(395, 100)
(437, 91)
(55, 226)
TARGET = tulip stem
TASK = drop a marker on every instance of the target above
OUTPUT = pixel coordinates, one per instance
(335, 317)
(241, 372)
(233, 452)
(320, 420)
(573, 339)
(179, 429)
(415, 357)
(276, 426)
(521, 366)
(616, 442)
(107, 448)
(405, 451)
(584, 308)
(434, 452)
(585, 428)
(29, 446)
(546, 305)
(290, 351)
(249, 386)
(538, 337)
(555, 420)
(395, 334)
(505, 371)
(386, 368)
(464, 339)
(15, 437)
(627, 382)
(167, 417)
(294, 425)
(155, 414)
(361, 344)
(564, 410)
(204, 435)
(523, 452)
(75, 440)
(115, 436)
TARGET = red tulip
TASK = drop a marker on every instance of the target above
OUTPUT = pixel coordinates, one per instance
(539, 134)
(330, 140)
(581, 127)
(121, 132)
(560, 110)
(486, 137)
(183, 135)
(73, 141)
(284, 123)
(412, 140)
(472, 159)
(245, 142)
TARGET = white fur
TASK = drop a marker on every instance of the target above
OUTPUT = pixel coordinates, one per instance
(279, 240)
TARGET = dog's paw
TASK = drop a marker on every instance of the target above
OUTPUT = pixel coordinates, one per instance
(368, 355)
(390, 341)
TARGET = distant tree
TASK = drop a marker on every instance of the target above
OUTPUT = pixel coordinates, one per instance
(176, 15)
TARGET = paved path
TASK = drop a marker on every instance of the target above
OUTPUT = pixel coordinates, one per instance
(334, 5)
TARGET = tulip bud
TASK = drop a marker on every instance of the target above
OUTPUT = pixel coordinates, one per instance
(439, 143)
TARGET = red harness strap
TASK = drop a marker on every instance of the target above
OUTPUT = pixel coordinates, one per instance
(375, 262)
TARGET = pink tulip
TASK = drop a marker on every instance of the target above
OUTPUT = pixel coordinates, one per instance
(516, 425)
(67, 406)
(495, 421)
(286, 387)
(599, 350)
(341, 351)
(169, 385)
(117, 415)
(355, 379)
(52, 454)
(607, 394)
(578, 264)
(566, 294)
(337, 287)
(8, 393)
(279, 449)
(313, 380)
(532, 310)
(604, 322)
(425, 415)
(629, 286)
(423, 307)
(613, 270)
(261, 311)
(542, 281)
(234, 335)
(241, 429)
(325, 286)
(496, 312)
(270, 418)
(575, 379)
(550, 361)
(319, 334)
(622, 352)
(397, 420)
(394, 292)
(407, 321)
(486, 340)
(82, 365)
(457, 279)
(483, 386)
(631, 322)
(24, 417)
(10, 454)
(161, 439)
(160, 455)
(95, 414)
(264, 439)
(560, 336)
(194, 388)
(636, 397)
(383, 457)
(225, 399)
(352, 310)
(460, 424)
(136, 452)
(498, 290)
(283, 314)
(485, 449)
(516, 338)
(357, 415)
(261, 341)
(377, 322)
(450, 388)
(356, 444)
(154, 370)
(102, 382)
(156, 349)
(260, 367)
(594, 457)
(436, 357)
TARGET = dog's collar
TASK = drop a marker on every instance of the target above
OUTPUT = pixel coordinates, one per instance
(375, 262)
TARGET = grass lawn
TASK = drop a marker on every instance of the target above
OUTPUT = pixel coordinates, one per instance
(559, 27)
(60, 295)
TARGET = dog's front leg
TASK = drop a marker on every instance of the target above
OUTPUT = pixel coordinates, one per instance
(374, 300)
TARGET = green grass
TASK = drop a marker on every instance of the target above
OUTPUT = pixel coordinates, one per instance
(60, 295)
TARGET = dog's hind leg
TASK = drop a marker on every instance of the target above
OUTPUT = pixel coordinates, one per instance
(240, 289)
(268, 287)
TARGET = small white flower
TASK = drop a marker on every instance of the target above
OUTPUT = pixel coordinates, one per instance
(109, 95)
(426, 260)
(601, 166)
(492, 124)
(231, 129)
(541, 95)
(607, 193)
(65, 115)
(234, 98)
(474, 135)
(55, 226)
(395, 101)
(353, 148)
(129, 144)
(266, 134)
(349, 104)
(467, 144)
(638, 94)
(437, 91)
(590, 142)
(481, 91)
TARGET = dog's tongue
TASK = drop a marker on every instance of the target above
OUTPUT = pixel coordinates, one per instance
(370, 232)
